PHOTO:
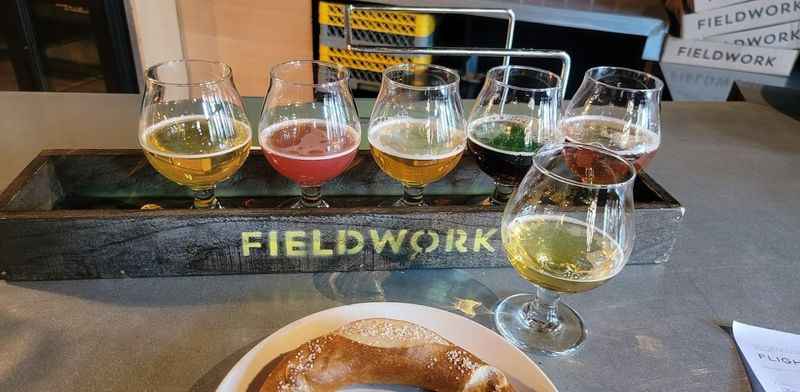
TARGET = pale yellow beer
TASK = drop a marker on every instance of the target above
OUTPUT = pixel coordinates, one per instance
(409, 152)
(561, 254)
(194, 152)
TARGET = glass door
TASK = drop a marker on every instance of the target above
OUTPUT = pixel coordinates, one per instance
(67, 45)
(70, 46)
(8, 78)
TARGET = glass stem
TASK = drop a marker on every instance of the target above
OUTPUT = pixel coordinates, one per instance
(205, 199)
(412, 195)
(311, 196)
(542, 313)
(502, 193)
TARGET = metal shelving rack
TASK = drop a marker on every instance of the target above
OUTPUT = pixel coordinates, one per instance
(506, 53)
(395, 29)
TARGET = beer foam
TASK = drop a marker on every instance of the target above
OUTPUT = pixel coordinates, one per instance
(175, 120)
(521, 120)
(375, 133)
(264, 134)
(618, 251)
(653, 139)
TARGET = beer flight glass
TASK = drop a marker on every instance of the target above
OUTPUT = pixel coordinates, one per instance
(309, 128)
(193, 128)
(416, 130)
(567, 229)
(515, 114)
(618, 109)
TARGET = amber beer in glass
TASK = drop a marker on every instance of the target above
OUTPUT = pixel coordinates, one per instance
(618, 109)
(400, 161)
(416, 130)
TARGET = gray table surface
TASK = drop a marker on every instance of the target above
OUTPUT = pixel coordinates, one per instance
(653, 328)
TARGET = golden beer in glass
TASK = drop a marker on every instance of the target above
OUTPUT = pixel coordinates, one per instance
(185, 151)
(562, 254)
(413, 164)
(416, 130)
(568, 228)
(193, 127)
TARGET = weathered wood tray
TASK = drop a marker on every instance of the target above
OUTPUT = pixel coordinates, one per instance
(75, 214)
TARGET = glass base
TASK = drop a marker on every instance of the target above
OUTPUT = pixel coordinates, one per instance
(353, 287)
(405, 203)
(300, 203)
(311, 197)
(487, 202)
(412, 197)
(502, 193)
(204, 199)
(203, 205)
(509, 318)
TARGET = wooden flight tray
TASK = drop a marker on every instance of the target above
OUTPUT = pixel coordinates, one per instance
(75, 214)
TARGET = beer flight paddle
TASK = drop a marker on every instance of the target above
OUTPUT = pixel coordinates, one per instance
(568, 228)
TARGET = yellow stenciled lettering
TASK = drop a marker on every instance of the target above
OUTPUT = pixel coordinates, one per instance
(452, 242)
(248, 243)
(341, 242)
(316, 245)
(482, 240)
(273, 243)
(294, 246)
(414, 242)
(394, 242)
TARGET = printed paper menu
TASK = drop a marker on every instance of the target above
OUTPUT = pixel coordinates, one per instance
(773, 356)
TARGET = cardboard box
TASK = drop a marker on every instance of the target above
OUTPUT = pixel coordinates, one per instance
(786, 36)
(693, 83)
(740, 17)
(726, 56)
(707, 5)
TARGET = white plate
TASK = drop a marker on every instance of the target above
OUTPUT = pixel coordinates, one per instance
(473, 337)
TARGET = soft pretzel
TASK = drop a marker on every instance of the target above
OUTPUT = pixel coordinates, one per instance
(383, 351)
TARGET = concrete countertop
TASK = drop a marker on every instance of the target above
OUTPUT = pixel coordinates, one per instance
(653, 328)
